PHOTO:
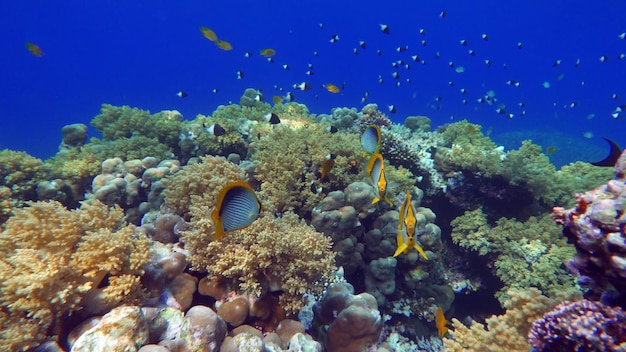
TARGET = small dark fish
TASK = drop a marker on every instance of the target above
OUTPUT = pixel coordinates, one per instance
(392, 109)
(485, 37)
(239, 74)
(331, 129)
(302, 86)
(443, 14)
(181, 94)
(604, 58)
(577, 63)
(556, 63)
(334, 38)
(395, 75)
(379, 52)
(384, 28)
(472, 52)
(488, 62)
(216, 130)
(362, 44)
(463, 42)
(422, 31)
(520, 45)
(247, 54)
(611, 159)
(272, 118)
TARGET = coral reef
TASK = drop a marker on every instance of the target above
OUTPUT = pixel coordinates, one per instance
(19, 175)
(200, 181)
(271, 255)
(288, 159)
(523, 254)
(580, 326)
(53, 262)
(507, 332)
(351, 322)
(596, 226)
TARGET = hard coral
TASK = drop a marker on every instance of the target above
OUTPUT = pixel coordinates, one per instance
(352, 322)
(580, 326)
(272, 254)
(53, 262)
(20, 172)
(597, 227)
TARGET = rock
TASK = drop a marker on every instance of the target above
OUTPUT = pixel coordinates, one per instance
(122, 329)
(203, 330)
(74, 135)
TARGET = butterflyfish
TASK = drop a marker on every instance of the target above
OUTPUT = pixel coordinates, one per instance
(269, 52)
(237, 207)
(331, 88)
(376, 172)
(272, 118)
(441, 322)
(34, 49)
(208, 34)
(370, 139)
(224, 45)
(408, 222)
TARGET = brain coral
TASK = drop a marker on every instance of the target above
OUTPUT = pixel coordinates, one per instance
(288, 158)
(53, 262)
(272, 254)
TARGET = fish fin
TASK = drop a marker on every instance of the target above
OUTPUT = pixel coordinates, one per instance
(402, 246)
(420, 250)
(388, 201)
(375, 200)
(611, 159)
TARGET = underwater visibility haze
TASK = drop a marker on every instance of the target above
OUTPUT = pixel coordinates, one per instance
(317, 175)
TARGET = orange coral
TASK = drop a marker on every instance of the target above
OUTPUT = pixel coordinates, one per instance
(53, 260)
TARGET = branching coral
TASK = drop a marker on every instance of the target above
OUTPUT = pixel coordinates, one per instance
(288, 159)
(507, 332)
(525, 254)
(271, 254)
(53, 262)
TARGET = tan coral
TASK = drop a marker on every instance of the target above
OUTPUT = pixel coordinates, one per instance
(203, 180)
(507, 332)
(271, 254)
(52, 261)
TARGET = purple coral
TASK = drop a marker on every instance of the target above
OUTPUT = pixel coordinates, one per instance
(597, 227)
(580, 326)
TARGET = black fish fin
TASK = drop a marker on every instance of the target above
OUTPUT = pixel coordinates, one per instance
(611, 159)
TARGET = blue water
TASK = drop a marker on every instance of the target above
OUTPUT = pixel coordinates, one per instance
(141, 53)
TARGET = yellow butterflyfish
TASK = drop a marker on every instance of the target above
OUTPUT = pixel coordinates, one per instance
(376, 172)
(237, 207)
(408, 222)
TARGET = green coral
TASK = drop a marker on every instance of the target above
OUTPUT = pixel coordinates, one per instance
(524, 254)
(115, 122)
(20, 172)
(138, 147)
(288, 159)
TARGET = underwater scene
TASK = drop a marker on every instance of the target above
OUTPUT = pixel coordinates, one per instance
(312, 176)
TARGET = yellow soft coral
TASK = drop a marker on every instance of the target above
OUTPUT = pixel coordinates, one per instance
(204, 179)
(53, 260)
(507, 332)
(272, 253)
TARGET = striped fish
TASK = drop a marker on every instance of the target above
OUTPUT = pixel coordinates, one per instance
(370, 139)
(237, 207)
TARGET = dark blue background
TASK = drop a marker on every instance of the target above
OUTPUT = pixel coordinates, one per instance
(141, 53)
